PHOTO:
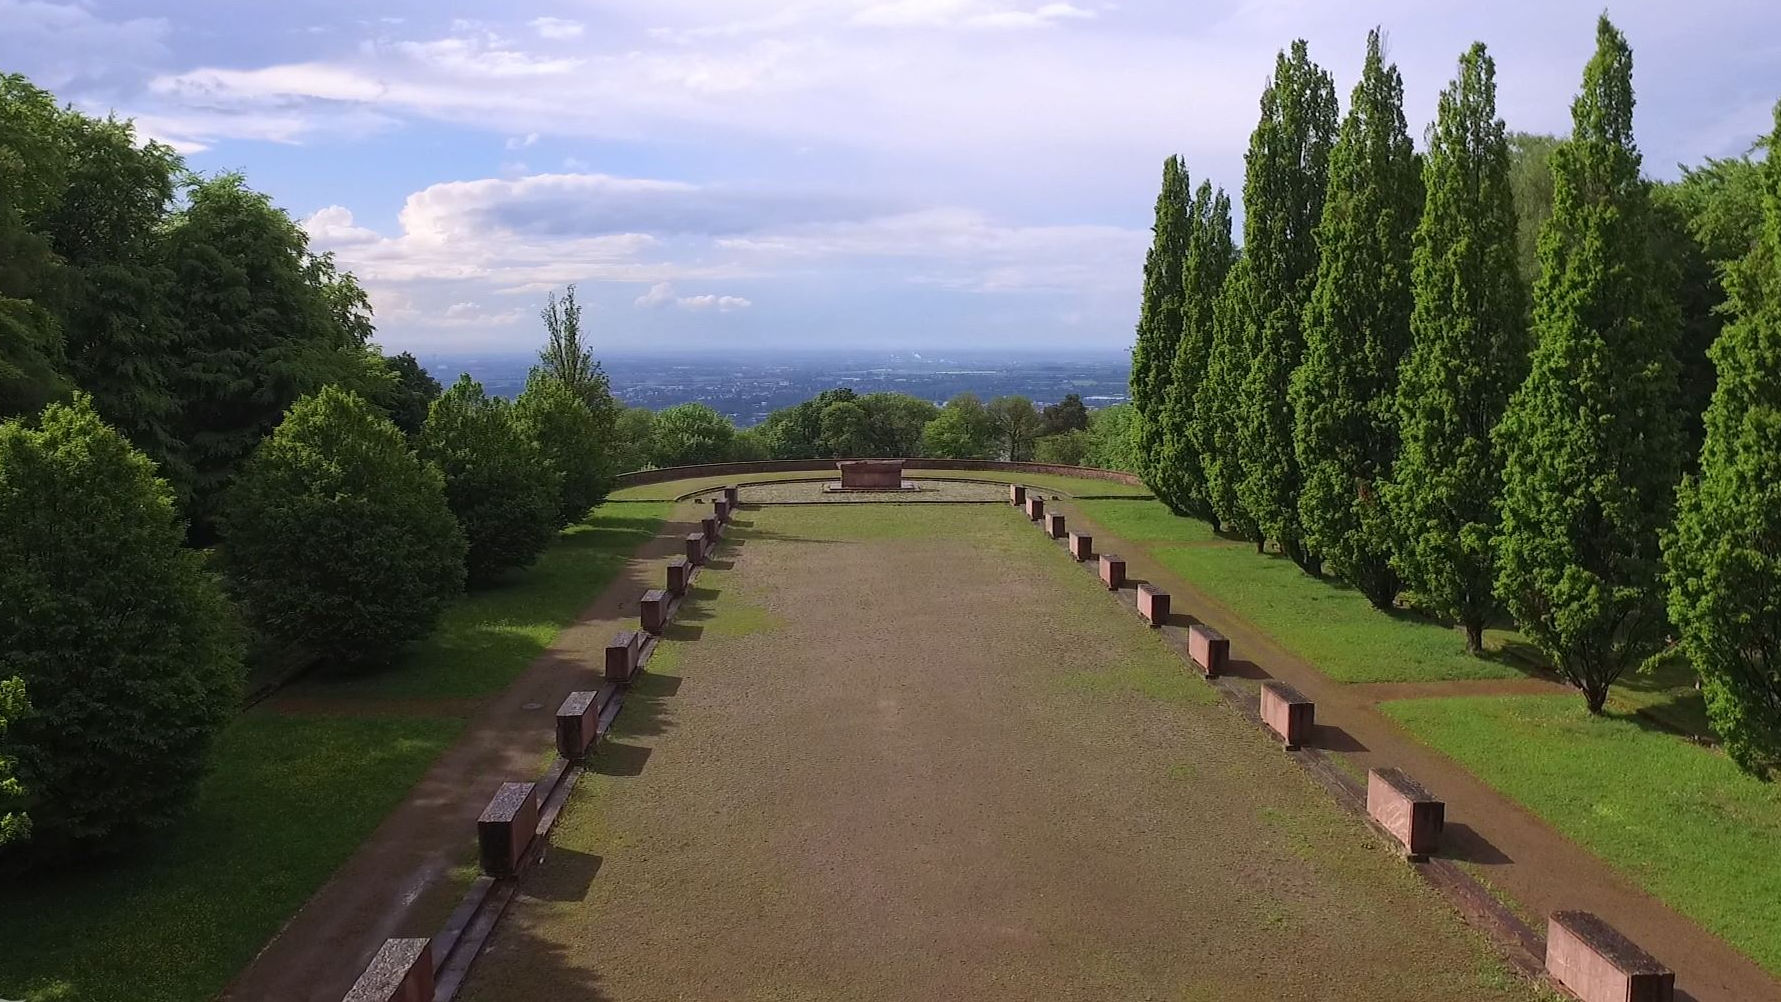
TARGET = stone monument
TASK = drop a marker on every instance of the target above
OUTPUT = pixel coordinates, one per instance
(871, 475)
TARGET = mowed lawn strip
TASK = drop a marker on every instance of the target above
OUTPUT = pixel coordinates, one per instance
(289, 798)
(1679, 819)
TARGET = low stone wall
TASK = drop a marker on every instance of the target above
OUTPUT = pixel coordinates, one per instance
(642, 478)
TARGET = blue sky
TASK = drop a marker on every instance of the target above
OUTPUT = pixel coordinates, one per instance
(848, 173)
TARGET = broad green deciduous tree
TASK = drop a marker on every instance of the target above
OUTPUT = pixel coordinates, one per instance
(688, 434)
(1286, 175)
(1724, 554)
(337, 539)
(1468, 353)
(1017, 426)
(1590, 438)
(14, 825)
(499, 486)
(1357, 328)
(569, 437)
(123, 639)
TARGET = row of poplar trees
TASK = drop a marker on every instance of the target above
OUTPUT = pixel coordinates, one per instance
(1369, 383)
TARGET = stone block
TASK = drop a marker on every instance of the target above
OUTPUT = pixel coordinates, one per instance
(714, 529)
(695, 548)
(1288, 713)
(721, 509)
(622, 654)
(1035, 507)
(1410, 813)
(1112, 571)
(1153, 604)
(1598, 964)
(871, 474)
(402, 971)
(578, 724)
(733, 496)
(1082, 546)
(504, 832)
(652, 611)
(1054, 525)
(1017, 495)
(680, 575)
(1209, 649)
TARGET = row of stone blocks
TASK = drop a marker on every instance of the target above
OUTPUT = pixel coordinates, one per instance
(403, 969)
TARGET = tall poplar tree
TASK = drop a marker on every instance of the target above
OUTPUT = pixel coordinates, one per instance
(1283, 192)
(1180, 473)
(1590, 438)
(1468, 353)
(1218, 407)
(1724, 554)
(1159, 316)
(1357, 328)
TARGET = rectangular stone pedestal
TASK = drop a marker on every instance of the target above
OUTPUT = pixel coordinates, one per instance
(871, 474)
(1288, 713)
(1153, 604)
(733, 496)
(1112, 571)
(652, 611)
(1209, 649)
(1082, 546)
(1017, 495)
(621, 656)
(1410, 813)
(1054, 525)
(578, 722)
(1598, 964)
(721, 509)
(505, 830)
(1035, 508)
(695, 548)
(714, 529)
(680, 574)
(402, 971)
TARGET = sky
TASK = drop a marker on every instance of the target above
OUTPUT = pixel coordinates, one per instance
(897, 174)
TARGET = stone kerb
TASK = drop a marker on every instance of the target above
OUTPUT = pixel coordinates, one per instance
(652, 611)
(1054, 525)
(622, 656)
(1407, 811)
(680, 575)
(1288, 713)
(1153, 604)
(505, 829)
(1035, 507)
(1082, 546)
(1017, 495)
(1209, 649)
(402, 971)
(1596, 963)
(1112, 571)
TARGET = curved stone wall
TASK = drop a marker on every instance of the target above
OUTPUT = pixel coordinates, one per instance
(665, 474)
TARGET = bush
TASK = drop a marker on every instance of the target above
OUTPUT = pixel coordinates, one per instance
(13, 705)
(1069, 448)
(690, 434)
(125, 643)
(568, 436)
(337, 539)
(498, 484)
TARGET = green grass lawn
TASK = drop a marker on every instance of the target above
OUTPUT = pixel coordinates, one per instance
(1678, 819)
(1328, 624)
(288, 799)
(1146, 521)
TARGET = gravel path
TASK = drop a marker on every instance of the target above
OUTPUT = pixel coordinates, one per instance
(898, 752)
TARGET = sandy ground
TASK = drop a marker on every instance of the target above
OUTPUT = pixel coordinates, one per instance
(898, 752)
(811, 491)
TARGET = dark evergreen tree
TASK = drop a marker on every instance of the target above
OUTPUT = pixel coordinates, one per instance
(1357, 328)
(1468, 353)
(1287, 172)
(1068, 414)
(1180, 478)
(409, 392)
(1219, 406)
(1159, 315)
(1724, 554)
(1590, 438)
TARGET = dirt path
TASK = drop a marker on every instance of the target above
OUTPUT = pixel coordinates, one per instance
(1512, 849)
(896, 754)
(398, 882)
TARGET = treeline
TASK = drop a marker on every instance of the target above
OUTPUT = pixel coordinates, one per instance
(841, 423)
(1509, 375)
(205, 464)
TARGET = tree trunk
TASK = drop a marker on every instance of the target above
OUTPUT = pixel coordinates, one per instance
(1261, 545)
(1474, 637)
(1595, 694)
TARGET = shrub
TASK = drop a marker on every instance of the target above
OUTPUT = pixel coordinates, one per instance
(13, 705)
(498, 484)
(568, 436)
(689, 434)
(337, 539)
(1069, 448)
(125, 643)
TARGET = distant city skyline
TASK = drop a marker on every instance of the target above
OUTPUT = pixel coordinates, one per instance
(873, 174)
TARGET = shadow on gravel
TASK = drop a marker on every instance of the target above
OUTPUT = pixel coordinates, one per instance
(1462, 843)
(563, 875)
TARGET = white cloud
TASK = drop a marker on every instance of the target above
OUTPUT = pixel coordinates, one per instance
(556, 27)
(661, 296)
(965, 13)
(521, 142)
(474, 315)
(56, 44)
